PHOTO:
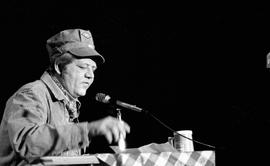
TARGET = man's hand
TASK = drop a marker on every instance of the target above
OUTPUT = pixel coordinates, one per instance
(110, 127)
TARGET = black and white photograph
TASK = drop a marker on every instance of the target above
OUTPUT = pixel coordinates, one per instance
(134, 83)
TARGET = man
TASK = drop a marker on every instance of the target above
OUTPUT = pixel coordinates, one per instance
(41, 118)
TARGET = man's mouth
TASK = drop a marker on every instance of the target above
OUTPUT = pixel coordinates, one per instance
(86, 84)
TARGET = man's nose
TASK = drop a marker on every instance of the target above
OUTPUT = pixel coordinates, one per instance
(89, 73)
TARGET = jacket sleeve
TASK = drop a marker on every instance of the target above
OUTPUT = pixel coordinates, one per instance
(29, 133)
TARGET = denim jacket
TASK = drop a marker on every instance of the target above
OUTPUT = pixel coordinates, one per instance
(36, 123)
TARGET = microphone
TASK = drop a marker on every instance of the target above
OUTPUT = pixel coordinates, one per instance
(100, 97)
(268, 60)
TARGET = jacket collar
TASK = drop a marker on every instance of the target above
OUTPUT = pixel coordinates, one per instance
(73, 105)
(56, 91)
(60, 94)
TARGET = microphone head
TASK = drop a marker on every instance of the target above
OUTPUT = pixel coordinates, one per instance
(268, 60)
(101, 97)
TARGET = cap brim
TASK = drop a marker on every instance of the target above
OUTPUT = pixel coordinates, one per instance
(87, 52)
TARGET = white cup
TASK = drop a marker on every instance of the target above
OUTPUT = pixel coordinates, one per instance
(181, 143)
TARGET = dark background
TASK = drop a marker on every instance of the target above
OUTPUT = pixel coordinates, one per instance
(198, 66)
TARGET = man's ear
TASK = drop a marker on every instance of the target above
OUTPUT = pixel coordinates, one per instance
(56, 68)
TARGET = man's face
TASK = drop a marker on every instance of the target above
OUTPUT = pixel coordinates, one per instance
(78, 76)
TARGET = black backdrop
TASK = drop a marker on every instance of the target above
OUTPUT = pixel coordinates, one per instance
(198, 66)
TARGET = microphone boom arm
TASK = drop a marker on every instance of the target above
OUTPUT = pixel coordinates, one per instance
(129, 106)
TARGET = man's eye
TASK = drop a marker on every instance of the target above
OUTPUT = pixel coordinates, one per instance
(82, 67)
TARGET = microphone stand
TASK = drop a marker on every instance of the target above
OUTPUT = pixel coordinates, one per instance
(121, 142)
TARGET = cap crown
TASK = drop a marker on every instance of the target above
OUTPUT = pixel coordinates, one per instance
(57, 43)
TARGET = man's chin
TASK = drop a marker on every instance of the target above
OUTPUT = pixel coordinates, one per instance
(81, 93)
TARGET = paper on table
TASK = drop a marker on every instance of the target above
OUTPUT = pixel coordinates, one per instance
(65, 160)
